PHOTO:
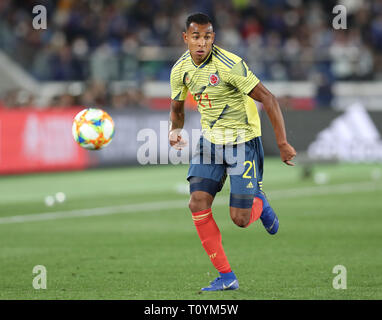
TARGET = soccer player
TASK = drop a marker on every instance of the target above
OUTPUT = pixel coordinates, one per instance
(224, 88)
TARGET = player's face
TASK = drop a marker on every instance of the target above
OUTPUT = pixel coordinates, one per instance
(199, 39)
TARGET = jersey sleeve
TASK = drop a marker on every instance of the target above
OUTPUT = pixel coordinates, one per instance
(242, 78)
(178, 88)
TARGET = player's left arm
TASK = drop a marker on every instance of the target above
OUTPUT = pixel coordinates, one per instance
(272, 108)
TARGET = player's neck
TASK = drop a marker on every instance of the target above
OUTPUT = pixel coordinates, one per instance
(198, 63)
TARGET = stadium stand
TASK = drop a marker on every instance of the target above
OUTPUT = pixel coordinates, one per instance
(98, 43)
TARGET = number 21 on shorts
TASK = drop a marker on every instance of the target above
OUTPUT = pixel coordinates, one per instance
(248, 171)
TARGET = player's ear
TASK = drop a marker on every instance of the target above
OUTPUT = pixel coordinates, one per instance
(185, 37)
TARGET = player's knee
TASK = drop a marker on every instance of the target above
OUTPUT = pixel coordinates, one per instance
(196, 206)
(241, 222)
(241, 219)
(198, 202)
(192, 205)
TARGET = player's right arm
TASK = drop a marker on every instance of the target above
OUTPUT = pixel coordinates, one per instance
(176, 124)
(178, 96)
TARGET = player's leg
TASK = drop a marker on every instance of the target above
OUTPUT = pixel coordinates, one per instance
(244, 217)
(247, 201)
(206, 227)
(243, 171)
(200, 201)
(203, 191)
(205, 181)
(240, 216)
(244, 208)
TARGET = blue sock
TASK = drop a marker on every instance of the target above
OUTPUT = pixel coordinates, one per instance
(228, 275)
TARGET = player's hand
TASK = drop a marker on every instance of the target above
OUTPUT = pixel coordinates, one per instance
(287, 153)
(176, 140)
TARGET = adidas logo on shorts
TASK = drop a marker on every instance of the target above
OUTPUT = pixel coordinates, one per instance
(249, 185)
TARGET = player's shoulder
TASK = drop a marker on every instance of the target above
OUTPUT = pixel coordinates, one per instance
(178, 64)
(225, 57)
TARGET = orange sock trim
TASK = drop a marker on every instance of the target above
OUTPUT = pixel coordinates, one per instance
(211, 239)
(257, 209)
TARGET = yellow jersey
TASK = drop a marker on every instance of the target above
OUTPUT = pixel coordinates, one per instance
(220, 85)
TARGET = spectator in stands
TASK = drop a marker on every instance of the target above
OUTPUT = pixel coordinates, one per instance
(103, 40)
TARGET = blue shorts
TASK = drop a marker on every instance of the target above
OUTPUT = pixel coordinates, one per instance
(242, 162)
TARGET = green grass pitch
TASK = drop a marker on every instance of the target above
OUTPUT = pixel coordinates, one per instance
(126, 233)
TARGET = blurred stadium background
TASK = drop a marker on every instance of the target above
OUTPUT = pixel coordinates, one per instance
(117, 55)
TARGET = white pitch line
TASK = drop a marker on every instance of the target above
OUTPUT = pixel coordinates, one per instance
(183, 204)
(324, 190)
(136, 207)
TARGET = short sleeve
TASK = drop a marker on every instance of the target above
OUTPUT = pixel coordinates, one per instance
(178, 88)
(242, 78)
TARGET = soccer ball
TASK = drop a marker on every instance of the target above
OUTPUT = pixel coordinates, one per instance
(93, 128)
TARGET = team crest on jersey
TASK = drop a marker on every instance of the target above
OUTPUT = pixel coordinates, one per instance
(214, 79)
